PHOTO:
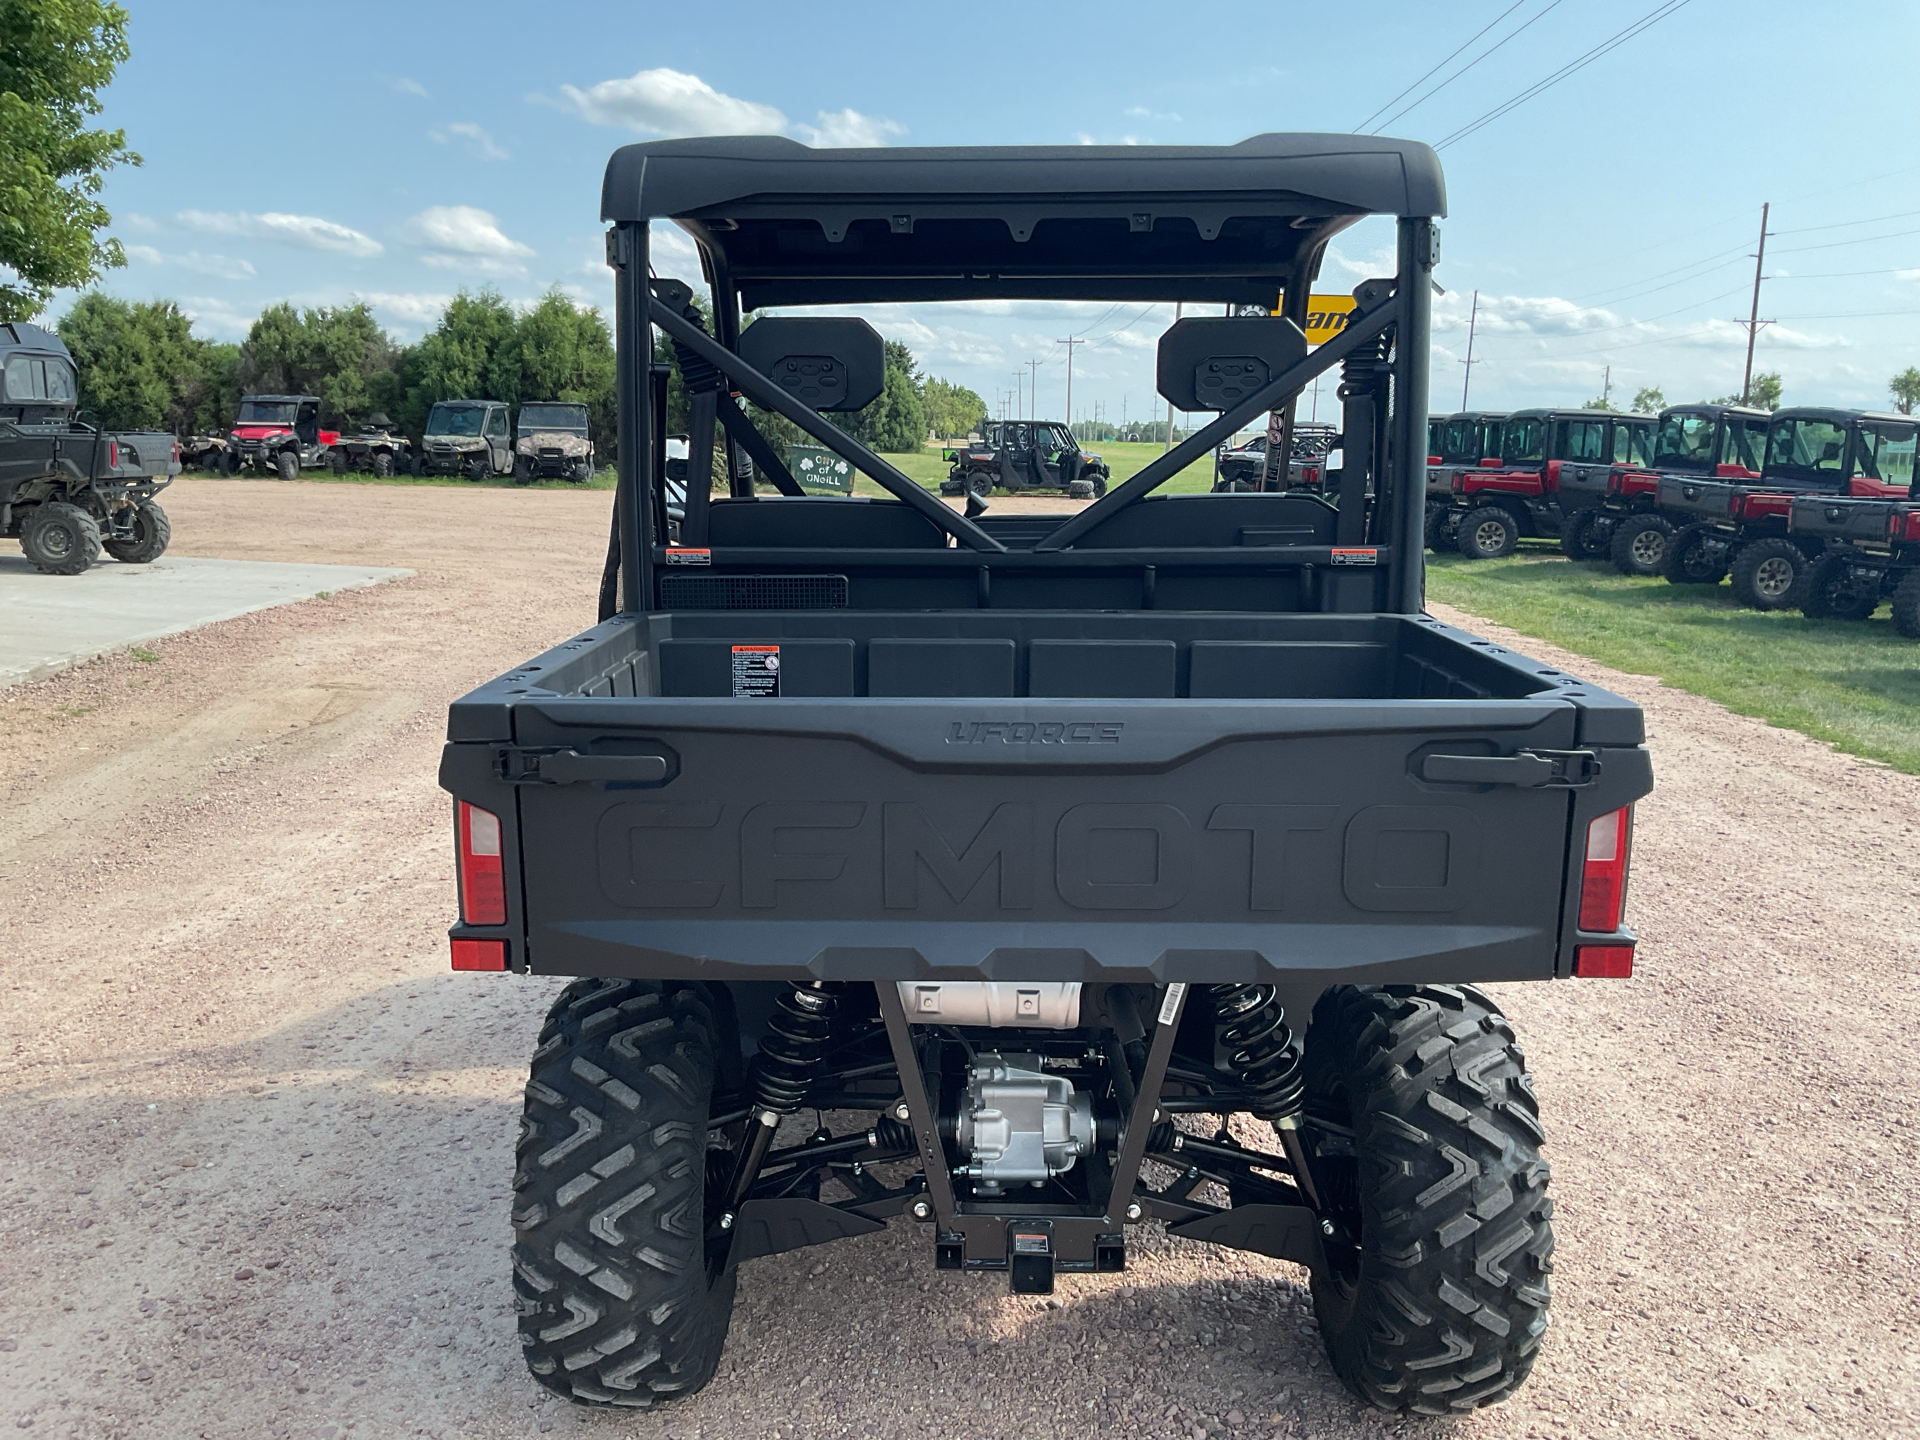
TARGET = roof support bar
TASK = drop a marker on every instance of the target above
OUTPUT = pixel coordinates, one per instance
(769, 396)
(1361, 328)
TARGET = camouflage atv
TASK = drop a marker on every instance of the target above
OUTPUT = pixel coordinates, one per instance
(378, 449)
(555, 442)
(466, 437)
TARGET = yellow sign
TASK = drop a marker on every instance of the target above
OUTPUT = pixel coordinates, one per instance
(1326, 316)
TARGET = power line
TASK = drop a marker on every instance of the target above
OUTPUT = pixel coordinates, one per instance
(1843, 274)
(1407, 109)
(1424, 78)
(1842, 224)
(1863, 240)
(1850, 315)
(1646, 22)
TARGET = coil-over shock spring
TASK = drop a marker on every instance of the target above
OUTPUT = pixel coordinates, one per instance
(1260, 1053)
(790, 1059)
(1259, 1046)
(795, 1047)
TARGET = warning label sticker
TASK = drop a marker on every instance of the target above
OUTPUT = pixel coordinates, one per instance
(678, 555)
(756, 671)
(1356, 557)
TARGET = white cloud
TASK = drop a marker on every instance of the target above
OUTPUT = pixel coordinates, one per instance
(410, 307)
(674, 103)
(1906, 274)
(405, 85)
(217, 317)
(466, 238)
(483, 143)
(307, 232)
(849, 130)
(1140, 112)
(670, 102)
(221, 267)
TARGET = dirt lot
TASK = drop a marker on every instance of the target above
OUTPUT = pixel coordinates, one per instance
(258, 1139)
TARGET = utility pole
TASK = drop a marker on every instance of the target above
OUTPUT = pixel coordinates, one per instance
(1754, 322)
(1473, 319)
(1070, 342)
(1020, 394)
(1179, 309)
(1606, 387)
(1033, 389)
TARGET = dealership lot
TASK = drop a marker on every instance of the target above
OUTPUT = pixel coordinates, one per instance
(259, 1140)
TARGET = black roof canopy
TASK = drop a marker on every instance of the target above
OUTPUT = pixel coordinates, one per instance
(784, 224)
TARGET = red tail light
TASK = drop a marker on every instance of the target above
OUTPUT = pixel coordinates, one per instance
(1311, 474)
(1904, 525)
(483, 885)
(1491, 462)
(1603, 962)
(479, 954)
(113, 454)
(1603, 881)
(1433, 459)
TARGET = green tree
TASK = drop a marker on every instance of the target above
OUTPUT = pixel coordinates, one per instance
(896, 420)
(455, 360)
(333, 351)
(55, 58)
(952, 410)
(1905, 388)
(1599, 402)
(1762, 394)
(1648, 400)
(558, 351)
(141, 368)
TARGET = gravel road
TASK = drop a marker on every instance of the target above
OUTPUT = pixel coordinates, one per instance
(258, 1138)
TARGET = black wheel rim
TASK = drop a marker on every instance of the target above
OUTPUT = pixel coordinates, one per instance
(57, 541)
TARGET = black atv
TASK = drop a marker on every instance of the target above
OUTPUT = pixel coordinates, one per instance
(1022, 455)
(68, 490)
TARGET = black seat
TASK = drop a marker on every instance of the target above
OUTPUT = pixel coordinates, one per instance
(1163, 522)
(821, 522)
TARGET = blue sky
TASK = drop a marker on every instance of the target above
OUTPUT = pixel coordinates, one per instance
(400, 152)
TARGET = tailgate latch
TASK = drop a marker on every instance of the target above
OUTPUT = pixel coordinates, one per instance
(568, 767)
(1527, 769)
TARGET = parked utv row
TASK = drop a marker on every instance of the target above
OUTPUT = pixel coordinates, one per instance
(1809, 507)
(473, 438)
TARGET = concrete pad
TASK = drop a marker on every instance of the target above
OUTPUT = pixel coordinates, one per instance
(49, 622)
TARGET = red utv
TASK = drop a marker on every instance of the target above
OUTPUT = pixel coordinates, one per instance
(1615, 508)
(1455, 442)
(280, 433)
(1872, 547)
(1740, 528)
(1495, 506)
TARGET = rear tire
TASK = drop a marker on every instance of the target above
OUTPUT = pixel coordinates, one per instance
(287, 464)
(1829, 590)
(618, 1301)
(148, 543)
(1906, 605)
(1572, 531)
(1489, 533)
(1767, 573)
(1689, 560)
(1436, 1291)
(383, 465)
(1640, 544)
(1437, 538)
(60, 539)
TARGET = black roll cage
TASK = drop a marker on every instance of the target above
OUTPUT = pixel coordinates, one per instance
(896, 193)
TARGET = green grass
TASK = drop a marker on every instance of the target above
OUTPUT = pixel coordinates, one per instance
(1854, 684)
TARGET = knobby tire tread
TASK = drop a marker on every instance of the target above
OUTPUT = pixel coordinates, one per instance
(616, 1302)
(1451, 1288)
